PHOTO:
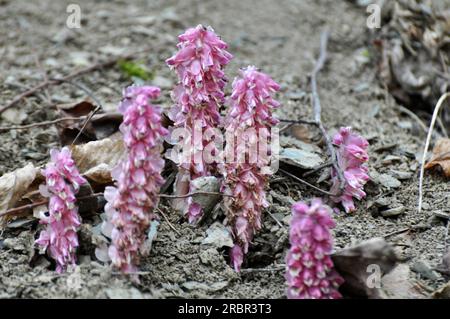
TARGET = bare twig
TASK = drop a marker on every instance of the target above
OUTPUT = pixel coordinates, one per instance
(23, 208)
(389, 101)
(89, 117)
(317, 168)
(446, 243)
(403, 109)
(305, 182)
(44, 84)
(286, 127)
(276, 220)
(193, 194)
(44, 74)
(44, 123)
(52, 122)
(168, 221)
(442, 126)
(249, 270)
(20, 209)
(318, 109)
(397, 232)
(427, 145)
(83, 88)
(92, 96)
(298, 121)
(318, 66)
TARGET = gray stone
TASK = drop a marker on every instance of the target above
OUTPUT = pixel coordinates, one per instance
(396, 211)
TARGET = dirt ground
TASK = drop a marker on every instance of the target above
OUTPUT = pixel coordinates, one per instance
(282, 39)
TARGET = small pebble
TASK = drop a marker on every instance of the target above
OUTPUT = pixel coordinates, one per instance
(401, 175)
(393, 211)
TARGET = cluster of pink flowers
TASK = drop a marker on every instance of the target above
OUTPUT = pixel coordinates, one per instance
(130, 205)
(352, 158)
(63, 181)
(252, 104)
(309, 268)
(198, 96)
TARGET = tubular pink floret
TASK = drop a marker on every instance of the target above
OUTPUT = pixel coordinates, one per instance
(309, 268)
(252, 100)
(198, 96)
(138, 177)
(62, 183)
(251, 111)
(352, 158)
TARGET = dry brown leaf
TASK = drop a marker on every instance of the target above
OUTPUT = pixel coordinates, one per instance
(443, 292)
(96, 159)
(100, 126)
(14, 185)
(100, 174)
(414, 51)
(68, 130)
(353, 265)
(399, 284)
(76, 110)
(301, 132)
(441, 156)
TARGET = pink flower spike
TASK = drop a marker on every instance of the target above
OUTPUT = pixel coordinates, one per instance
(309, 268)
(249, 121)
(138, 178)
(62, 183)
(252, 99)
(197, 97)
(352, 158)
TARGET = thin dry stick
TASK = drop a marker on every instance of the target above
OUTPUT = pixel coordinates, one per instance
(317, 168)
(168, 221)
(193, 194)
(276, 220)
(90, 116)
(44, 73)
(318, 109)
(286, 127)
(44, 84)
(52, 122)
(427, 145)
(446, 243)
(442, 126)
(305, 182)
(318, 66)
(397, 232)
(83, 88)
(248, 270)
(298, 121)
(44, 123)
(403, 109)
(23, 208)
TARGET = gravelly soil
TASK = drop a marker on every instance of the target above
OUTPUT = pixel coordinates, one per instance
(281, 38)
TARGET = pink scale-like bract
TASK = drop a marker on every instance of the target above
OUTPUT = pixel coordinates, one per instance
(309, 268)
(138, 177)
(352, 158)
(63, 181)
(249, 121)
(199, 64)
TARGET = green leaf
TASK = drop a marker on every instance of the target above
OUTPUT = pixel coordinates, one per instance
(135, 70)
